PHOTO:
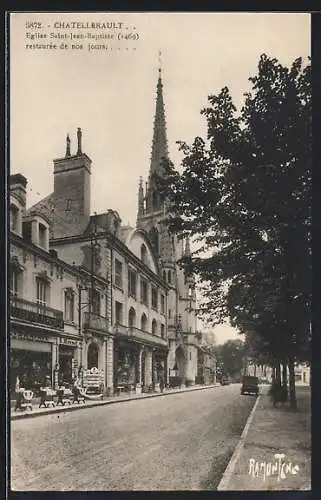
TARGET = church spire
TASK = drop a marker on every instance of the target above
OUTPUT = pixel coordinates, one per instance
(159, 149)
(159, 145)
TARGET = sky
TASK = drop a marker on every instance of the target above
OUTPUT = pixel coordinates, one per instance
(110, 92)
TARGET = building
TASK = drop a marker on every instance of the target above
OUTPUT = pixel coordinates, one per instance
(46, 335)
(135, 317)
(206, 366)
(168, 249)
(129, 314)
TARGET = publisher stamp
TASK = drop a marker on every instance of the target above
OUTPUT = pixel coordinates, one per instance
(280, 468)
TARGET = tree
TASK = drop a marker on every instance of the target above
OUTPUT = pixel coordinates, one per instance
(245, 197)
(230, 357)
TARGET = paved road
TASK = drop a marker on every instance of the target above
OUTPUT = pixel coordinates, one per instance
(176, 442)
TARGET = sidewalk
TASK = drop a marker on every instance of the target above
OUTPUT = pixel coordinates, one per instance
(254, 466)
(15, 415)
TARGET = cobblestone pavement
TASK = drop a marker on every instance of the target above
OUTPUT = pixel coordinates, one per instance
(180, 442)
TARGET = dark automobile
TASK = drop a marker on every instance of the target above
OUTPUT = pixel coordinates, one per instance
(225, 380)
(250, 385)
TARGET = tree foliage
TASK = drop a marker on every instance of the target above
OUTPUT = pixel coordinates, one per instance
(245, 196)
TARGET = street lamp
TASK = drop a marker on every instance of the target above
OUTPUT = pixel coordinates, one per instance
(93, 246)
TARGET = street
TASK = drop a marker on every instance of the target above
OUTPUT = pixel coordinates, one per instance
(177, 442)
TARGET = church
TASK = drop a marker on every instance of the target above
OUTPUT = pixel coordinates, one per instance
(134, 312)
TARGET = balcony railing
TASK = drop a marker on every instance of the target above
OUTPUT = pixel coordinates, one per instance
(140, 335)
(36, 313)
(95, 322)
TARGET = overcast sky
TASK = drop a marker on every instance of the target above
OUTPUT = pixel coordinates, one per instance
(111, 93)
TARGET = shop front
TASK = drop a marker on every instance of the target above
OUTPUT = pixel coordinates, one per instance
(30, 361)
(126, 364)
(68, 360)
(159, 372)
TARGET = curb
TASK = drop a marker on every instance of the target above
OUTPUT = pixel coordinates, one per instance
(69, 408)
(229, 471)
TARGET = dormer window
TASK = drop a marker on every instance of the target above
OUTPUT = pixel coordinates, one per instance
(14, 218)
(42, 235)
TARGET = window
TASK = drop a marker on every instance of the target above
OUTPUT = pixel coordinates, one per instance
(164, 275)
(94, 297)
(162, 331)
(131, 283)
(118, 273)
(190, 356)
(169, 313)
(14, 218)
(42, 235)
(131, 318)
(144, 323)
(119, 312)
(69, 305)
(42, 292)
(154, 298)
(27, 231)
(143, 254)
(169, 277)
(68, 205)
(162, 304)
(144, 291)
(14, 277)
(154, 327)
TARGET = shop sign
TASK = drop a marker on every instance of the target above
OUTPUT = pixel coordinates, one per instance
(70, 342)
(24, 336)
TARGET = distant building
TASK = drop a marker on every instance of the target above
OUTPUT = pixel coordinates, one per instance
(206, 366)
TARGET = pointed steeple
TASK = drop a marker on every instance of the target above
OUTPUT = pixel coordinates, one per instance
(159, 145)
(159, 149)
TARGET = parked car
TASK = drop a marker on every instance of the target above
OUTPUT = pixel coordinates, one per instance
(250, 385)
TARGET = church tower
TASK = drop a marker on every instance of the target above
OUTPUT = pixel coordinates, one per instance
(151, 216)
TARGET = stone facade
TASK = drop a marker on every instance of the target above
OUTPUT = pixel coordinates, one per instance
(133, 307)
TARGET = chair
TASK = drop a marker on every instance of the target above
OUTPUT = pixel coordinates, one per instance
(64, 396)
(24, 400)
(47, 397)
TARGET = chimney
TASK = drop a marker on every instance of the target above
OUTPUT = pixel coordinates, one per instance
(79, 151)
(18, 185)
(67, 146)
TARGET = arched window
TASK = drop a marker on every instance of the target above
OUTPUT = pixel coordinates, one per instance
(154, 239)
(144, 323)
(131, 317)
(143, 254)
(92, 356)
(154, 327)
